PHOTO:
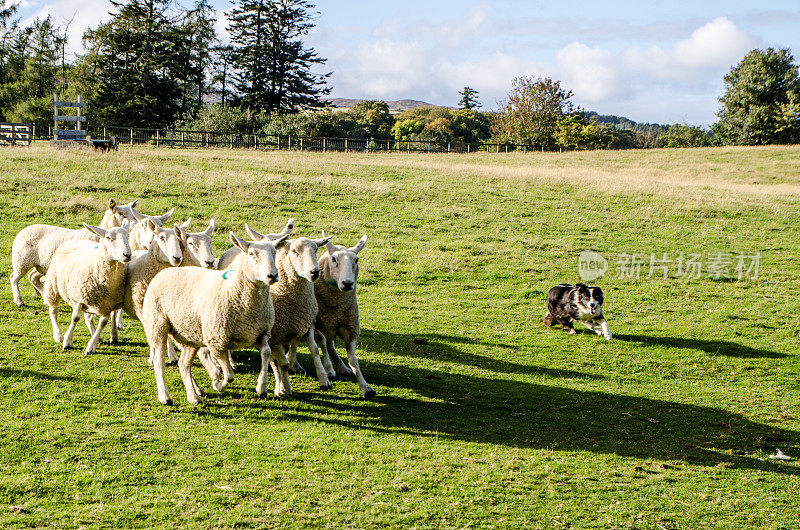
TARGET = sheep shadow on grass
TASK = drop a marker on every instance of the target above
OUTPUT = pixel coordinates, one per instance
(508, 412)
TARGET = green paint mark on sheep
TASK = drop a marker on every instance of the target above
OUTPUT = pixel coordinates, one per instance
(225, 274)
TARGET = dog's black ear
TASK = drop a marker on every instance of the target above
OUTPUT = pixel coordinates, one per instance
(581, 286)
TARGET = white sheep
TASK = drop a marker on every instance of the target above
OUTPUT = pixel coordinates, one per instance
(335, 291)
(150, 223)
(220, 310)
(295, 303)
(227, 258)
(141, 237)
(165, 252)
(200, 252)
(35, 245)
(90, 277)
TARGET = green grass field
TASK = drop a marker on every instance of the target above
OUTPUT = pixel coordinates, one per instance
(484, 417)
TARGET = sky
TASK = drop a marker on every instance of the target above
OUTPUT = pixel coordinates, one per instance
(651, 61)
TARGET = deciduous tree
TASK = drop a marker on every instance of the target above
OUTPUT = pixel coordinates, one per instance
(761, 104)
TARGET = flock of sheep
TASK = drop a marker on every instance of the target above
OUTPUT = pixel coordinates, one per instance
(269, 292)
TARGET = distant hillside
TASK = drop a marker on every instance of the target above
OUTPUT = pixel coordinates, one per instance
(398, 106)
(624, 124)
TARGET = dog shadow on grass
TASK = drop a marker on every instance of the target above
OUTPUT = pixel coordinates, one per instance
(513, 413)
(714, 347)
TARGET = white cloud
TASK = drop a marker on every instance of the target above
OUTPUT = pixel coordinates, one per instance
(681, 81)
(718, 44)
(80, 14)
(707, 53)
(591, 72)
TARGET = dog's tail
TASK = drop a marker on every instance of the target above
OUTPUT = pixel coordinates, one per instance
(549, 320)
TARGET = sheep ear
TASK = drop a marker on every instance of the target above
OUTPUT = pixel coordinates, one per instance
(152, 226)
(289, 228)
(360, 245)
(96, 230)
(281, 242)
(133, 204)
(164, 218)
(185, 225)
(112, 205)
(210, 230)
(241, 244)
(328, 246)
(136, 215)
(180, 233)
(323, 241)
(255, 236)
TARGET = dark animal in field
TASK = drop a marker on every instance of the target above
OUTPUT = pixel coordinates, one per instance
(569, 303)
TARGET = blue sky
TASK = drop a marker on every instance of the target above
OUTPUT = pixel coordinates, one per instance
(659, 61)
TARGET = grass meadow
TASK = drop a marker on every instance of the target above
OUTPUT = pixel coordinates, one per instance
(483, 417)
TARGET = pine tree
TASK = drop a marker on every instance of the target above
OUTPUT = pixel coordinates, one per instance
(198, 41)
(136, 67)
(273, 66)
(469, 99)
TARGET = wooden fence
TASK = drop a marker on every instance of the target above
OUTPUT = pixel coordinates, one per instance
(16, 134)
(204, 139)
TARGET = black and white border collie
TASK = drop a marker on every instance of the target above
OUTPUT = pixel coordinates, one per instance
(567, 303)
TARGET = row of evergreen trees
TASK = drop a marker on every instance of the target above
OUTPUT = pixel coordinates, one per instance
(154, 62)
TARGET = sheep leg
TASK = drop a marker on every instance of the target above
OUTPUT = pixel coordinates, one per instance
(329, 347)
(73, 321)
(221, 357)
(294, 366)
(266, 353)
(185, 367)
(322, 375)
(114, 339)
(322, 343)
(88, 319)
(53, 311)
(14, 279)
(230, 360)
(35, 277)
(118, 319)
(171, 357)
(214, 372)
(367, 391)
(280, 367)
(92, 346)
(157, 351)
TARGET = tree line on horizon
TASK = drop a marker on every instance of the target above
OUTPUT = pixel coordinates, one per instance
(156, 64)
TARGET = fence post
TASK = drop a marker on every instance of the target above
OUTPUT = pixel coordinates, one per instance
(324, 144)
(157, 138)
(345, 145)
(301, 143)
(105, 134)
(182, 140)
(131, 136)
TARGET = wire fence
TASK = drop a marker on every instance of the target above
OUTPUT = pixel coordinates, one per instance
(176, 138)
